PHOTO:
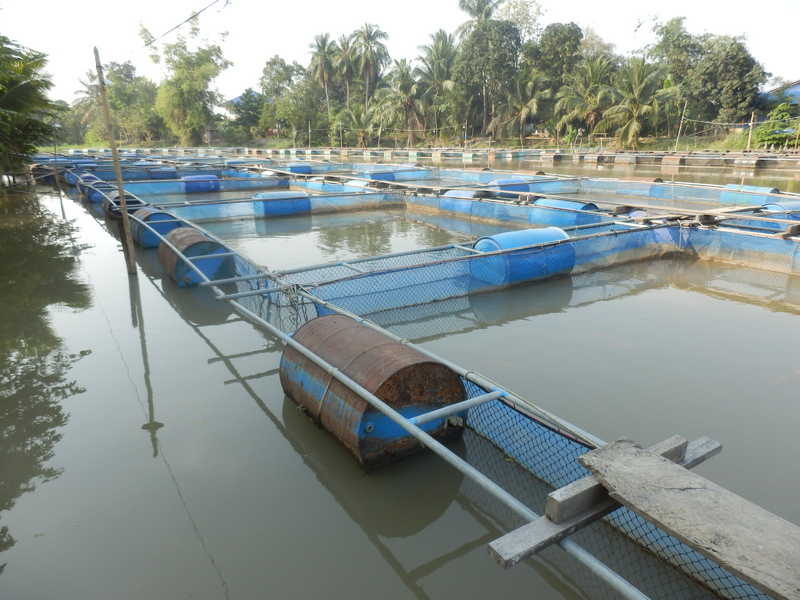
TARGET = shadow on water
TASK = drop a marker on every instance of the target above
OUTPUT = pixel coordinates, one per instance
(36, 272)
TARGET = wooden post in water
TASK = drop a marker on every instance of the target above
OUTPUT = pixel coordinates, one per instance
(127, 240)
(680, 126)
(750, 130)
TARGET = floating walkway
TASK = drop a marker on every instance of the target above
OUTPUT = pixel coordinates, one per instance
(577, 227)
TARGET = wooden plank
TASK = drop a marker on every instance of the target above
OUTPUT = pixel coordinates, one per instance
(537, 535)
(579, 496)
(529, 539)
(758, 546)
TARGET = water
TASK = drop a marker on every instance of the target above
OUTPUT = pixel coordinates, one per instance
(148, 450)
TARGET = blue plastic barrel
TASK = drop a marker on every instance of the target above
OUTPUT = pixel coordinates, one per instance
(464, 194)
(746, 194)
(528, 264)
(161, 221)
(96, 191)
(198, 184)
(277, 204)
(164, 173)
(565, 204)
(380, 174)
(300, 168)
(512, 184)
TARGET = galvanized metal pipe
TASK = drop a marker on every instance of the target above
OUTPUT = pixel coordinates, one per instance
(458, 407)
(592, 563)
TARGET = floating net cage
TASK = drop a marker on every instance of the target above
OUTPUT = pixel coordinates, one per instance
(426, 293)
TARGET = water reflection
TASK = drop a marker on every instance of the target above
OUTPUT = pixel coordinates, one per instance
(36, 272)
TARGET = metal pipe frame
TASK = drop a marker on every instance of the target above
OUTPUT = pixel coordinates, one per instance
(594, 565)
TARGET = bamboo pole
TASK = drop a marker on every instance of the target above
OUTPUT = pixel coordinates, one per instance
(750, 129)
(127, 241)
(680, 126)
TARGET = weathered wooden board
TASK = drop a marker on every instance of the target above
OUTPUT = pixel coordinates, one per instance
(758, 546)
(584, 501)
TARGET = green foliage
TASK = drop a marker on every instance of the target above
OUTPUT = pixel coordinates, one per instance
(303, 108)
(131, 99)
(23, 104)
(639, 88)
(185, 100)
(724, 83)
(779, 129)
(487, 63)
(557, 52)
(278, 77)
(247, 111)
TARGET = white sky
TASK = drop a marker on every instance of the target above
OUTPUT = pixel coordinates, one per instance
(259, 29)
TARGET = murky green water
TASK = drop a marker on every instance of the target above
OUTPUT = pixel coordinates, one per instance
(148, 451)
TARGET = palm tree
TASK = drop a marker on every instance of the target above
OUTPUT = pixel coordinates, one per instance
(401, 102)
(23, 101)
(522, 103)
(87, 105)
(359, 123)
(587, 94)
(435, 74)
(639, 87)
(373, 54)
(346, 62)
(478, 10)
(323, 59)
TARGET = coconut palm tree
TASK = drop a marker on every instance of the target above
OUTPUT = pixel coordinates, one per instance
(522, 103)
(346, 62)
(323, 60)
(23, 101)
(435, 75)
(373, 54)
(360, 124)
(478, 10)
(401, 101)
(587, 94)
(639, 89)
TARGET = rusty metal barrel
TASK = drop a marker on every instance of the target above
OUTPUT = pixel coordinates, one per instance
(405, 379)
(210, 257)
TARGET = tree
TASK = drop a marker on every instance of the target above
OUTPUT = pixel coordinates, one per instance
(88, 108)
(676, 48)
(247, 110)
(131, 99)
(587, 94)
(372, 54)
(323, 59)
(435, 75)
(479, 11)
(557, 52)
(487, 62)
(23, 104)
(522, 103)
(724, 83)
(639, 89)
(525, 14)
(778, 130)
(301, 109)
(401, 101)
(278, 76)
(346, 62)
(359, 124)
(186, 99)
